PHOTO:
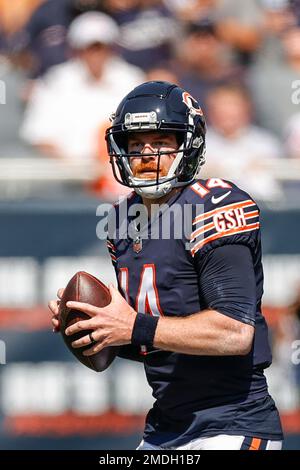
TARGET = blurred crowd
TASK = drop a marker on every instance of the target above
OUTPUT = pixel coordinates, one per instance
(67, 63)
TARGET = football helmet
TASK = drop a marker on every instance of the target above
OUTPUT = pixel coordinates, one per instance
(164, 107)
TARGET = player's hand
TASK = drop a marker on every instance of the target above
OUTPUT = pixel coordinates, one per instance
(54, 308)
(111, 325)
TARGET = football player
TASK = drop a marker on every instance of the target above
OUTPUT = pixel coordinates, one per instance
(190, 282)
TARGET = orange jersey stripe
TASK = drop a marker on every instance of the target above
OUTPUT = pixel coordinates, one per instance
(250, 215)
(203, 229)
(234, 205)
(255, 444)
(111, 246)
(234, 231)
(207, 227)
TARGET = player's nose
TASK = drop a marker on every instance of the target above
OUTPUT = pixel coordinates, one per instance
(148, 149)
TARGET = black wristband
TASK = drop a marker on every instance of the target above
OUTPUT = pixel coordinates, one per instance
(144, 330)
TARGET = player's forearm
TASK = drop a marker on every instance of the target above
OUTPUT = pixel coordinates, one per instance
(204, 333)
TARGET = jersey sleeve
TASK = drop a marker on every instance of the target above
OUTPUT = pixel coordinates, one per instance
(233, 219)
(225, 240)
(226, 282)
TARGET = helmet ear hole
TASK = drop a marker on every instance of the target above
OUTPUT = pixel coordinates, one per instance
(179, 138)
(122, 141)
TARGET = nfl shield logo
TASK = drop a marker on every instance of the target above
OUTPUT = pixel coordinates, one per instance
(137, 245)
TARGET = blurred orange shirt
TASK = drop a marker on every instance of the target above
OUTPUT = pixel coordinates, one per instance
(15, 13)
(106, 186)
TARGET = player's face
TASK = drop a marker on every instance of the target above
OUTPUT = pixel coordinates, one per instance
(95, 57)
(145, 143)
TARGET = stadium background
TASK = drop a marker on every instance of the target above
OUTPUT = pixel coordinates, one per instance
(48, 208)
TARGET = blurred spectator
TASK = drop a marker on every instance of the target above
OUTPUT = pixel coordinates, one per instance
(11, 111)
(106, 186)
(272, 84)
(3, 43)
(15, 13)
(292, 136)
(204, 61)
(295, 5)
(238, 22)
(44, 35)
(74, 98)
(192, 10)
(82, 6)
(278, 16)
(116, 6)
(236, 149)
(148, 30)
(162, 72)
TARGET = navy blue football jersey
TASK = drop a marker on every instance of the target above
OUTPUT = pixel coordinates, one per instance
(166, 266)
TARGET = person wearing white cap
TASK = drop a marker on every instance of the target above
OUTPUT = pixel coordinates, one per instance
(73, 99)
(90, 28)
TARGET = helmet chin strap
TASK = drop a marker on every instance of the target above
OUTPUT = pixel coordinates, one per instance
(155, 192)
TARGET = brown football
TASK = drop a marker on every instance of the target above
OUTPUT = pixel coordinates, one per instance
(84, 287)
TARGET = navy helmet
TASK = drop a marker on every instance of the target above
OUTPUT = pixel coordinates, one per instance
(164, 107)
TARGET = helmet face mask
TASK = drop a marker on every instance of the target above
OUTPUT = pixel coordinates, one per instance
(165, 108)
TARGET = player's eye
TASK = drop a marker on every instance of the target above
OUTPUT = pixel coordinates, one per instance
(135, 147)
(160, 143)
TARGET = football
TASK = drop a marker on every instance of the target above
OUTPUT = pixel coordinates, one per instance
(84, 287)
